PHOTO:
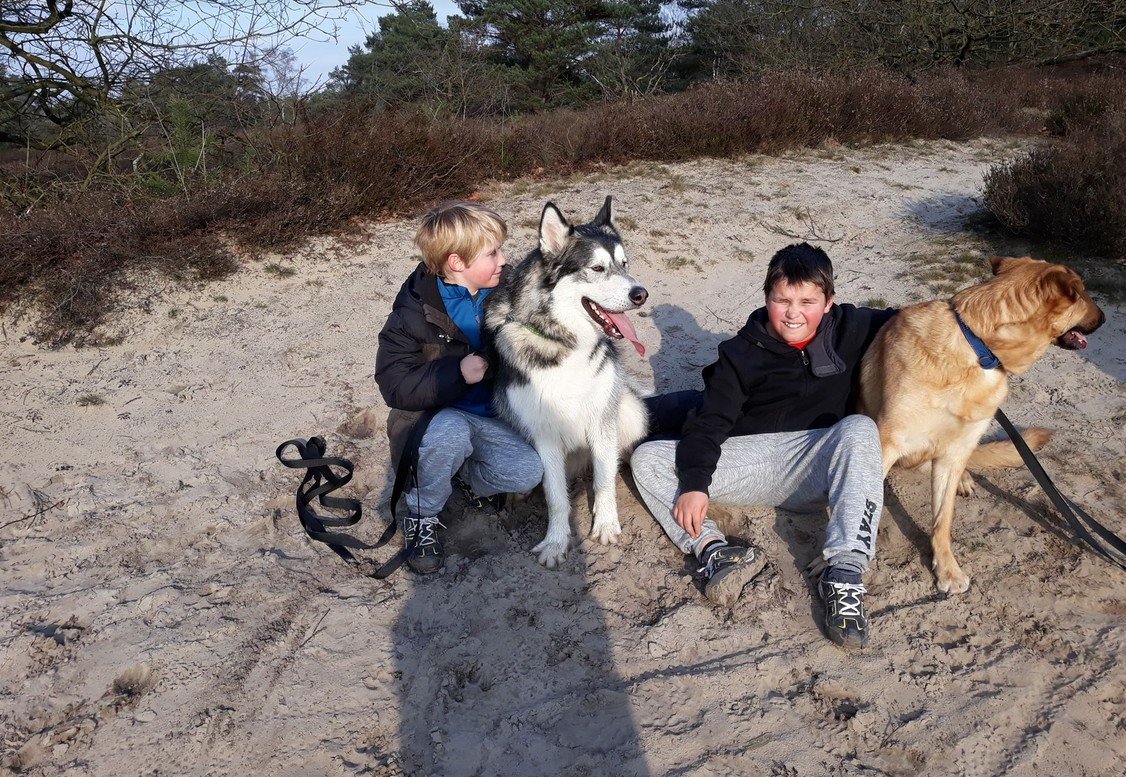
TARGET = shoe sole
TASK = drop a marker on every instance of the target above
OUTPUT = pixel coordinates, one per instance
(848, 644)
(424, 569)
(726, 590)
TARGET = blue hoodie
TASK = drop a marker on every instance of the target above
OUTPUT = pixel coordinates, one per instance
(468, 312)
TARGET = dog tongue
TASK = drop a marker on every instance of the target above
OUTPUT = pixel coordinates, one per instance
(1075, 339)
(627, 330)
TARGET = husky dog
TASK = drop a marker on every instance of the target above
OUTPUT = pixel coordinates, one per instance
(560, 380)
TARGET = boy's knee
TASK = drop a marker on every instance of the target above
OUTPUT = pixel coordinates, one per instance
(858, 429)
(448, 430)
(532, 470)
(643, 456)
(652, 457)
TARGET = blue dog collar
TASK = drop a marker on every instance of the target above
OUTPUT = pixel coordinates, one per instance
(985, 357)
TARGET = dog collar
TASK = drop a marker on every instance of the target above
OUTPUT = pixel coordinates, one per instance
(531, 328)
(985, 357)
(536, 331)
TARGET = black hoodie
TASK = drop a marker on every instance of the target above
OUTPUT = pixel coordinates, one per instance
(761, 385)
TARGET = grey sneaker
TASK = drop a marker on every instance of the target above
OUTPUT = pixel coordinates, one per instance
(425, 553)
(727, 569)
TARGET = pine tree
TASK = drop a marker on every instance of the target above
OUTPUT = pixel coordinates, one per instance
(391, 66)
(541, 44)
(633, 53)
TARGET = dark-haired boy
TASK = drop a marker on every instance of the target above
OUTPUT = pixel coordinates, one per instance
(776, 426)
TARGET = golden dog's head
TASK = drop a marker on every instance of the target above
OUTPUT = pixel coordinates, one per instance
(1051, 293)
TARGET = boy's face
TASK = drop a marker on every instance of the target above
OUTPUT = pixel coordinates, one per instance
(795, 310)
(482, 273)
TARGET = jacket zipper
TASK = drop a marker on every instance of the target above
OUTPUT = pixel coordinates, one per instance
(443, 333)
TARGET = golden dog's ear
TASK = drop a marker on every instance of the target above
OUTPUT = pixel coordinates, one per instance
(1061, 283)
(1002, 264)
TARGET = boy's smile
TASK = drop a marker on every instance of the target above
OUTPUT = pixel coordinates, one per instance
(794, 311)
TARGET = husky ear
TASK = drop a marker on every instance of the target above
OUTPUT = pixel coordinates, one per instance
(555, 230)
(605, 216)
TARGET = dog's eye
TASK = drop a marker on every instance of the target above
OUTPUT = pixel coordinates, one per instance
(598, 268)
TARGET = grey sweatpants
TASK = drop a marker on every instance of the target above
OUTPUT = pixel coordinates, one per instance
(798, 471)
(490, 455)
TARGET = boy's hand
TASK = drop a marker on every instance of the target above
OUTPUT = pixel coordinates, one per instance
(473, 368)
(690, 511)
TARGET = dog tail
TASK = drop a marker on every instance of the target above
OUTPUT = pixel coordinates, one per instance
(1003, 453)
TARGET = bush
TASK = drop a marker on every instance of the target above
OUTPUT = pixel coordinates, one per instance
(1082, 111)
(1072, 191)
(77, 252)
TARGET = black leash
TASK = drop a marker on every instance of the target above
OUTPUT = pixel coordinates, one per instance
(321, 480)
(1075, 515)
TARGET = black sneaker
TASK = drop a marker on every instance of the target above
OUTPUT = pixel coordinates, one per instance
(728, 568)
(425, 553)
(495, 502)
(843, 594)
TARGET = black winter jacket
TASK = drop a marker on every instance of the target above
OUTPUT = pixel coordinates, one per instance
(761, 385)
(418, 364)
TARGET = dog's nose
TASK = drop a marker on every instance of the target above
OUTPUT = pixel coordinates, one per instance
(638, 295)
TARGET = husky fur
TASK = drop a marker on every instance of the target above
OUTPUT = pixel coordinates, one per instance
(560, 380)
(932, 400)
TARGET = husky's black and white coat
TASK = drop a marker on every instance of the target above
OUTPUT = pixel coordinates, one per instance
(560, 379)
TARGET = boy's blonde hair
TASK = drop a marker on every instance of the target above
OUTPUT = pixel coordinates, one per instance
(457, 227)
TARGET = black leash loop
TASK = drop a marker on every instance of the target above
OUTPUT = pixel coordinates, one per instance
(321, 479)
(1075, 515)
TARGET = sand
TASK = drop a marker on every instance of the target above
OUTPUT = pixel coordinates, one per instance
(165, 615)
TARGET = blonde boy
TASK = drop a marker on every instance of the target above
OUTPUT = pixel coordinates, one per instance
(432, 373)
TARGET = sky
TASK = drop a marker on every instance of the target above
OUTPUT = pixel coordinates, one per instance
(320, 57)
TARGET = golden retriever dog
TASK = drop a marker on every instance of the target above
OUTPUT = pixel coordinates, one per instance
(932, 395)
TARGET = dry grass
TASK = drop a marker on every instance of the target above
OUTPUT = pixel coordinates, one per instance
(77, 255)
(278, 270)
(945, 269)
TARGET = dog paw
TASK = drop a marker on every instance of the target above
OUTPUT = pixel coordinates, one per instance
(966, 485)
(606, 532)
(953, 581)
(551, 551)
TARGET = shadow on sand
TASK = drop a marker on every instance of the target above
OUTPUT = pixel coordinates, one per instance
(505, 668)
(686, 348)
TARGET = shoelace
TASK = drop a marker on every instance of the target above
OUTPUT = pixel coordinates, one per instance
(425, 528)
(709, 569)
(476, 502)
(847, 596)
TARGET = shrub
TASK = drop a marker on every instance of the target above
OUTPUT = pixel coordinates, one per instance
(1082, 111)
(1072, 191)
(77, 252)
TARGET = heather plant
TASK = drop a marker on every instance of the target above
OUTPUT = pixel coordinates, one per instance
(1070, 191)
(79, 253)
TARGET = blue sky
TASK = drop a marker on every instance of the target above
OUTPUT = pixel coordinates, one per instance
(321, 56)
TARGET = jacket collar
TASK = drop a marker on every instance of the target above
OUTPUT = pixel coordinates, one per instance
(423, 286)
(823, 358)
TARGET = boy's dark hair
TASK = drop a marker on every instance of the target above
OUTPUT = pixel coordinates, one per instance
(800, 263)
